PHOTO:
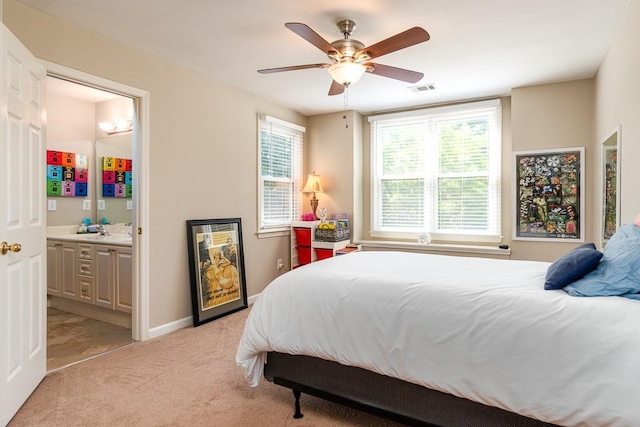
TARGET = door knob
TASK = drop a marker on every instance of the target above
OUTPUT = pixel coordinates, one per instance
(5, 247)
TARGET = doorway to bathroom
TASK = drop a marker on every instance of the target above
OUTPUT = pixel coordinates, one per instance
(96, 281)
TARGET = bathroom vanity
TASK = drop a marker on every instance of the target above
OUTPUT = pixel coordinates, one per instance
(90, 268)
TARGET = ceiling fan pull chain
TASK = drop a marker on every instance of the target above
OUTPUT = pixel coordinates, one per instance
(346, 105)
(346, 98)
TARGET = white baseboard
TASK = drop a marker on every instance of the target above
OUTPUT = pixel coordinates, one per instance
(252, 299)
(167, 328)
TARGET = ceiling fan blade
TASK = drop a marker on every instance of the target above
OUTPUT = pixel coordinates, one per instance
(292, 68)
(393, 72)
(311, 36)
(407, 38)
(336, 88)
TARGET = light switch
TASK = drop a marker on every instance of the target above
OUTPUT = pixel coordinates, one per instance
(101, 205)
(129, 205)
(86, 205)
(51, 205)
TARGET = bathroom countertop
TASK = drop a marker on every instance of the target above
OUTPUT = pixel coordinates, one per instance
(118, 235)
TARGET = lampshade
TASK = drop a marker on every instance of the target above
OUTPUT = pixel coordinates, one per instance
(313, 184)
(346, 73)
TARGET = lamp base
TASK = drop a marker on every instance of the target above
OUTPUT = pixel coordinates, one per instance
(314, 206)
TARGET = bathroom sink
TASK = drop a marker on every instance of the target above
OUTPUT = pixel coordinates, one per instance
(123, 238)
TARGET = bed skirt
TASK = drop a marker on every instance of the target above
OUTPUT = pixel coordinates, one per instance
(398, 400)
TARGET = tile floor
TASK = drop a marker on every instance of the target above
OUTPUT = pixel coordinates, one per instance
(72, 338)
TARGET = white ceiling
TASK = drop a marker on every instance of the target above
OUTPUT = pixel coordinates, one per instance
(477, 48)
(77, 91)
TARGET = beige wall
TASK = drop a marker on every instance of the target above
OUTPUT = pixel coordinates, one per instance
(70, 128)
(546, 117)
(201, 130)
(617, 103)
(335, 153)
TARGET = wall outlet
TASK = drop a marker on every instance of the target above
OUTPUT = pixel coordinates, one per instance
(101, 205)
(280, 264)
(86, 205)
(129, 205)
(51, 205)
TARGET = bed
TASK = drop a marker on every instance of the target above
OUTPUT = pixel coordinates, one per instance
(443, 340)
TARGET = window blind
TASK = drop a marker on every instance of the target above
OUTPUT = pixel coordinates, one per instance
(437, 170)
(280, 165)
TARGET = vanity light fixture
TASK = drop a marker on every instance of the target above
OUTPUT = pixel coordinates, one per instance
(116, 127)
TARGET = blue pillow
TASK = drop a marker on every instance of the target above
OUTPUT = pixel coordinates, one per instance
(572, 266)
(619, 270)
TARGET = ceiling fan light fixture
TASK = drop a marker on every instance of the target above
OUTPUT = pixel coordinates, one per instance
(347, 73)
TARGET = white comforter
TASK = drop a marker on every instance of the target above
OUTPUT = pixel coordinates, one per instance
(481, 329)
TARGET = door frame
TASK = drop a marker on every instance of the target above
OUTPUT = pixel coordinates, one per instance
(140, 137)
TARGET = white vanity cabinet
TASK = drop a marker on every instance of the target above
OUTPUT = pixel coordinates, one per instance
(113, 275)
(86, 285)
(61, 269)
(95, 273)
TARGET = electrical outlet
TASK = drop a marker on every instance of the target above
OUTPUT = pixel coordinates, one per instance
(86, 205)
(129, 205)
(101, 205)
(280, 264)
(51, 205)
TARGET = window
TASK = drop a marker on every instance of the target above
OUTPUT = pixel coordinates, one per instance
(280, 164)
(437, 170)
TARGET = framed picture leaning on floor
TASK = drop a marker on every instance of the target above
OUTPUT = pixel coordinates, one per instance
(216, 266)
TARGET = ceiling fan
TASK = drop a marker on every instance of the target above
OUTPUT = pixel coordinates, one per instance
(350, 59)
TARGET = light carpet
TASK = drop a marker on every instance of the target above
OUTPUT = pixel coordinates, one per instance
(186, 378)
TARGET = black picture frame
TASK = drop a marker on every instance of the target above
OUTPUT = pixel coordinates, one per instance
(549, 195)
(216, 267)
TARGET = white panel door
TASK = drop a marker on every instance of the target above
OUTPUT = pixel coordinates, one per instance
(23, 349)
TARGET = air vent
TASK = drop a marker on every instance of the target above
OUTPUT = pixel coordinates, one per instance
(423, 88)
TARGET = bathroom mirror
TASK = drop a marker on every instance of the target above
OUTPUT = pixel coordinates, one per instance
(112, 209)
(610, 185)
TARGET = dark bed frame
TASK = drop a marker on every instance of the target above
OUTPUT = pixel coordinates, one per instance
(384, 396)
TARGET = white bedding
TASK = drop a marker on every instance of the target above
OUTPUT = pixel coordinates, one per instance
(482, 329)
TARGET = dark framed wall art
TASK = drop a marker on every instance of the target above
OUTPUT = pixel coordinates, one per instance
(216, 260)
(549, 186)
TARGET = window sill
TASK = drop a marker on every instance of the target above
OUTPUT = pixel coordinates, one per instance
(437, 248)
(265, 234)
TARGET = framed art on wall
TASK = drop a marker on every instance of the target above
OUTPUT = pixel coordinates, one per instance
(216, 260)
(610, 185)
(549, 186)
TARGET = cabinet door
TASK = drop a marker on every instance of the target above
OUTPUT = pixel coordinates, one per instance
(54, 273)
(123, 275)
(103, 269)
(85, 285)
(68, 266)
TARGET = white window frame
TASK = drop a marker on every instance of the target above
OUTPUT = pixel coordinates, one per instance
(264, 230)
(430, 116)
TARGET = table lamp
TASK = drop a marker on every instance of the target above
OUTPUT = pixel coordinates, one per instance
(313, 186)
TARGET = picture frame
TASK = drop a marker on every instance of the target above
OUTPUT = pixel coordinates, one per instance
(610, 185)
(549, 195)
(216, 267)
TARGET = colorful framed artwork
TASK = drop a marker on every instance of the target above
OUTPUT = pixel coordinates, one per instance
(216, 261)
(67, 174)
(117, 177)
(610, 185)
(549, 187)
